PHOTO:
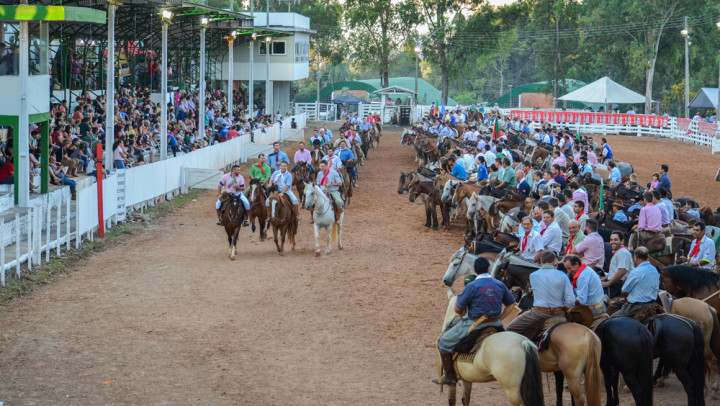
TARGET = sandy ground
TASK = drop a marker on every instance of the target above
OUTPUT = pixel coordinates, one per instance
(166, 318)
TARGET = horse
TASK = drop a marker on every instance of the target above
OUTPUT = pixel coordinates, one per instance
(404, 181)
(705, 317)
(282, 218)
(687, 281)
(432, 201)
(301, 175)
(462, 262)
(257, 208)
(522, 383)
(232, 219)
(320, 204)
(679, 344)
(317, 154)
(346, 190)
(627, 348)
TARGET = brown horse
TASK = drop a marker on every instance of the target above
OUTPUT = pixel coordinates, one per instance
(283, 219)
(232, 219)
(404, 181)
(301, 175)
(317, 154)
(346, 190)
(257, 208)
(432, 201)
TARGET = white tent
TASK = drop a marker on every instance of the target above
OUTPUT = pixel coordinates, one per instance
(604, 91)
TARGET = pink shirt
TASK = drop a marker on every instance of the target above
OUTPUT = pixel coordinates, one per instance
(303, 155)
(561, 160)
(592, 158)
(232, 185)
(592, 247)
(582, 196)
(650, 218)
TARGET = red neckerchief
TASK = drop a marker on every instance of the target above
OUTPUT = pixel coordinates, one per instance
(323, 181)
(524, 243)
(619, 248)
(578, 216)
(542, 232)
(569, 247)
(577, 275)
(696, 249)
(261, 168)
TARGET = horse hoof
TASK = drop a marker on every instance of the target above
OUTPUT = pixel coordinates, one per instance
(232, 258)
(317, 253)
(340, 248)
(435, 228)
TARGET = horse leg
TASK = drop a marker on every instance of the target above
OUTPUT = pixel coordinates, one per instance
(283, 234)
(684, 377)
(252, 228)
(633, 383)
(559, 383)
(574, 387)
(263, 233)
(467, 388)
(339, 226)
(234, 243)
(317, 242)
(427, 217)
(329, 238)
(452, 389)
(275, 238)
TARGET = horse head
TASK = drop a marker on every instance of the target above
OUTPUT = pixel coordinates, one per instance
(461, 263)
(401, 182)
(309, 193)
(472, 206)
(500, 262)
(448, 189)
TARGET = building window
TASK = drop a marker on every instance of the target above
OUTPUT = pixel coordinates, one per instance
(277, 48)
(302, 51)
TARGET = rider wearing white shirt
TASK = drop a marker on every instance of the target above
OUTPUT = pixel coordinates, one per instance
(283, 179)
(531, 243)
(552, 234)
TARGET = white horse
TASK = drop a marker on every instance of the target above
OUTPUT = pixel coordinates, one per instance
(324, 217)
(461, 263)
(508, 358)
(508, 223)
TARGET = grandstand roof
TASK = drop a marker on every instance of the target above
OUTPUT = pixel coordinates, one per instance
(427, 93)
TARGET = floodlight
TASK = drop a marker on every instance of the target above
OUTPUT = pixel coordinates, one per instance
(268, 39)
(684, 32)
(167, 15)
(204, 21)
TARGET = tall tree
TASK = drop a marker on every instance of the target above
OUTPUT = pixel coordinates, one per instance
(377, 28)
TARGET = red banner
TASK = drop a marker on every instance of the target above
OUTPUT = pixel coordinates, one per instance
(683, 123)
(708, 129)
(591, 118)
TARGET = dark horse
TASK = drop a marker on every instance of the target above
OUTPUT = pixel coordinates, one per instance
(432, 201)
(301, 175)
(627, 348)
(232, 219)
(284, 219)
(257, 208)
(687, 281)
(680, 344)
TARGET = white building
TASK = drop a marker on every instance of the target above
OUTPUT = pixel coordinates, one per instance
(288, 57)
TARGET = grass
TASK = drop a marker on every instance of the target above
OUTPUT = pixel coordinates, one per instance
(68, 261)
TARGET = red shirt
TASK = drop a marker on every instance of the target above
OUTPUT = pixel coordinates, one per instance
(6, 171)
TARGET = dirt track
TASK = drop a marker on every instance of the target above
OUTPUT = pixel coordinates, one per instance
(166, 318)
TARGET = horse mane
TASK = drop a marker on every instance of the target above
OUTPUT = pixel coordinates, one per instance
(694, 277)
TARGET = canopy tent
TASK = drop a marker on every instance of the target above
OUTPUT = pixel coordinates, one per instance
(707, 98)
(394, 90)
(349, 99)
(604, 91)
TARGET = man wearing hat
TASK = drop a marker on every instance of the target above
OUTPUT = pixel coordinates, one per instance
(480, 305)
(618, 214)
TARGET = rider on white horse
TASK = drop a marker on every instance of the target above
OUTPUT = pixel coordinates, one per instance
(232, 183)
(330, 181)
(480, 305)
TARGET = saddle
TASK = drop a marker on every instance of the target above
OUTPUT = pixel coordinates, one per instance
(544, 342)
(472, 342)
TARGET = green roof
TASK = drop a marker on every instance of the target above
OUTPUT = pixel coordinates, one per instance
(427, 93)
(537, 87)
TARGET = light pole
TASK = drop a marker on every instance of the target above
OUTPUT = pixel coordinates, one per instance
(251, 85)
(201, 92)
(717, 106)
(268, 44)
(318, 74)
(231, 41)
(418, 49)
(511, 98)
(110, 89)
(686, 34)
(166, 18)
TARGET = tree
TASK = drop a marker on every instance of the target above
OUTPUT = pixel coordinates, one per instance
(377, 29)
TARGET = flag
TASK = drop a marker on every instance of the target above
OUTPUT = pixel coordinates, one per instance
(442, 108)
(579, 137)
(601, 209)
(496, 130)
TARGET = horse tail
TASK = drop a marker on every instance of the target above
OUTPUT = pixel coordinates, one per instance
(593, 385)
(715, 336)
(645, 365)
(531, 390)
(696, 366)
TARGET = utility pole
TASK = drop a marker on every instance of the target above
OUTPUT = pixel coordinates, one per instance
(687, 70)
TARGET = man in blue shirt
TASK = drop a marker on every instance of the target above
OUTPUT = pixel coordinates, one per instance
(345, 154)
(482, 172)
(615, 174)
(587, 285)
(585, 167)
(619, 215)
(664, 178)
(606, 151)
(276, 157)
(458, 169)
(553, 295)
(641, 286)
(481, 301)
(365, 126)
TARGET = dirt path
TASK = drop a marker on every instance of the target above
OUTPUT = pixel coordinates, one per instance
(166, 318)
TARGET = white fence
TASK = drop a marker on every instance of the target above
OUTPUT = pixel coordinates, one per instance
(328, 111)
(54, 220)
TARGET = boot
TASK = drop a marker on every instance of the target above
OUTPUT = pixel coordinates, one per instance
(246, 222)
(448, 377)
(219, 214)
(74, 194)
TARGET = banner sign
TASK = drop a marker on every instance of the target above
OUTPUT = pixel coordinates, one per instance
(708, 129)
(683, 123)
(579, 117)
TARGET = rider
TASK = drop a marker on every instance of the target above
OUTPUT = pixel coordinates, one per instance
(302, 155)
(592, 247)
(330, 181)
(620, 265)
(702, 250)
(261, 170)
(277, 156)
(365, 126)
(481, 300)
(232, 183)
(344, 154)
(531, 243)
(553, 295)
(587, 285)
(316, 137)
(458, 169)
(335, 162)
(641, 286)
(283, 180)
